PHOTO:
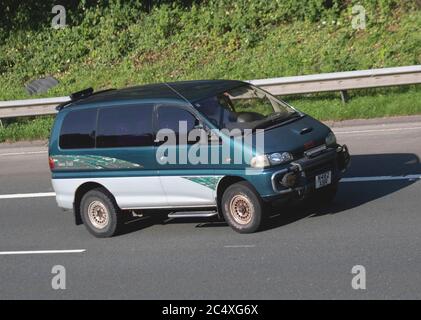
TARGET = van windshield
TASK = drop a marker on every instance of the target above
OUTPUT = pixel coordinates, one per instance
(245, 107)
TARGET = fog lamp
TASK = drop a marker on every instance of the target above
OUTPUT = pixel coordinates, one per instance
(289, 179)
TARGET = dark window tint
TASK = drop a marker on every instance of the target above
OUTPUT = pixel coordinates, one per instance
(171, 117)
(125, 126)
(78, 130)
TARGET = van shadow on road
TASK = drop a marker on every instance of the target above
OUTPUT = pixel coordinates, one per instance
(354, 194)
(350, 194)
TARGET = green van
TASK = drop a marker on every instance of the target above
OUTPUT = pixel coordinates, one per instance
(187, 149)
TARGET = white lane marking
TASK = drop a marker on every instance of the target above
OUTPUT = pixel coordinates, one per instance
(4, 253)
(376, 130)
(382, 178)
(241, 246)
(27, 195)
(21, 153)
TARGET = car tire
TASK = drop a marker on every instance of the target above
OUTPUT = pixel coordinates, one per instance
(327, 195)
(242, 207)
(100, 214)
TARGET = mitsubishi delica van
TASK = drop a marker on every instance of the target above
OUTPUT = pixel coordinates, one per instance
(188, 149)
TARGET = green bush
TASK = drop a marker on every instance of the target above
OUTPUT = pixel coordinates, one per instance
(27, 129)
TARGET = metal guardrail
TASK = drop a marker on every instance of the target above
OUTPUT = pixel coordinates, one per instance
(337, 81)
(30, 107)
(340, 81)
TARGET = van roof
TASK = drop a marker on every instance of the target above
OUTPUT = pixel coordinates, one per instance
(191, 91)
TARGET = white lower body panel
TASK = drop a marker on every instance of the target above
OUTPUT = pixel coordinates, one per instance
(142, 192)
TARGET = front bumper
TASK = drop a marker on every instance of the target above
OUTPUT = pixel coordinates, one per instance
(307, 168)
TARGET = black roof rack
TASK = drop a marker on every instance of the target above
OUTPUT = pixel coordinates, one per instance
(80, 95)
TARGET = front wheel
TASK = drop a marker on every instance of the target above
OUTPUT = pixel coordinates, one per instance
(100, 214)
(242, 207)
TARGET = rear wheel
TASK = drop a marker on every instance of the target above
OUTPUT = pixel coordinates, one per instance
(242, 207)
(100, 214)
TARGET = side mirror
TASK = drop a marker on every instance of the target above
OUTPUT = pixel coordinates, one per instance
(199, 128)
(198, 124)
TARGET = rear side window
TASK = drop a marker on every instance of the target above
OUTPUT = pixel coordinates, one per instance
(125, 126)
(78, 129)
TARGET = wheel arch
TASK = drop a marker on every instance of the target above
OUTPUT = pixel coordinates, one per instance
(223, 184)
(80, 192)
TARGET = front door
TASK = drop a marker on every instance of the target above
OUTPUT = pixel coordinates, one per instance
(187, 182)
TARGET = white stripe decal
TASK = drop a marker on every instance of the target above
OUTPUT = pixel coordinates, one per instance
(27, 195)
(4, 253)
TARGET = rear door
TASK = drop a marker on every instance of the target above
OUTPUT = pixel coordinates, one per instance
(125, 154)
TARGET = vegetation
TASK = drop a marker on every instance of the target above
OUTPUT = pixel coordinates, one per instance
(120, 43)
(27, 129)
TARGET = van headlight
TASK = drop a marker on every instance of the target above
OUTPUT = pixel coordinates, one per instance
(330, 139)
(279, 158)
(272, 159)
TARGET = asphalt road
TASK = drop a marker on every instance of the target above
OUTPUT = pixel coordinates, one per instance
(304, 252)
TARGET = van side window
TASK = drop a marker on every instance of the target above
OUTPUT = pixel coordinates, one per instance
(125, 126)
(78, 129)
(169, 117)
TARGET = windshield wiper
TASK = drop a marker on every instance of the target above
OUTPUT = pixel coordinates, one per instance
(274, 118)
(294, 115)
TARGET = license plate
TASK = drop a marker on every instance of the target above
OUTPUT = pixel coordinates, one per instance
(323, 179)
